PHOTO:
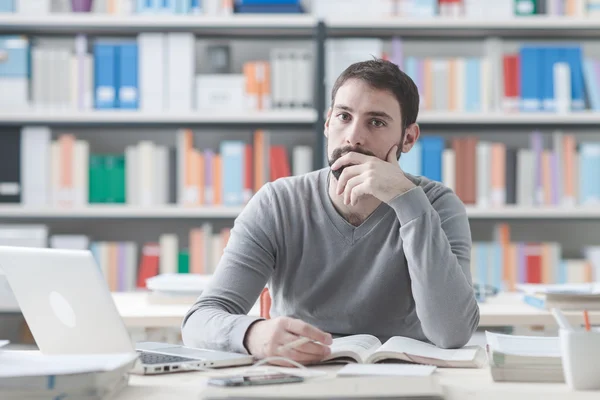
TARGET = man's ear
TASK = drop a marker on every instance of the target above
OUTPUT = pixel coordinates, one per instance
(411, 136)
(325, 131)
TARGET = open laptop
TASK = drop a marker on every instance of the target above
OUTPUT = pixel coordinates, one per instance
(69, 309)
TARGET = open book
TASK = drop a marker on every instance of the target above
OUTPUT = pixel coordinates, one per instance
(367, 349)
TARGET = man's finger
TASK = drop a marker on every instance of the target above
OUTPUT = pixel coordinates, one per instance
(391, 157)
(303, 358)
(347, 174)
(350, 158)
(358, 191)
(357, 180)
(301, 328)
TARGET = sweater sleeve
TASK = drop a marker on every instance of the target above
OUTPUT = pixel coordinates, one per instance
(218, 320)
(437, 245)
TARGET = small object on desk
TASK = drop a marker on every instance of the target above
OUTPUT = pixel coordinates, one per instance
(254, 380)
(4, 342)
(586, 318)
(386, 369)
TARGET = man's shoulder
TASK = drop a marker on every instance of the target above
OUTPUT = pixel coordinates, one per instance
(439, 195)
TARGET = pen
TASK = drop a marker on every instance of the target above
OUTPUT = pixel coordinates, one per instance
(291, 345)
(586, 318)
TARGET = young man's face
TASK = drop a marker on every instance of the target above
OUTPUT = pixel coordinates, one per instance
(364, 120)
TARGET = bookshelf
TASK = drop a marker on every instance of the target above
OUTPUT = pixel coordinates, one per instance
(225, 212)
(280, 28)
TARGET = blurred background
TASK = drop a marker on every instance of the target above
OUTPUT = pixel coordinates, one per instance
(139, 129)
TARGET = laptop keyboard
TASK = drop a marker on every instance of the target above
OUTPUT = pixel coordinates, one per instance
(153, 358)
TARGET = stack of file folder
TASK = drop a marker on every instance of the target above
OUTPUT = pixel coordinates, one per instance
(514, 358)
(31, 375)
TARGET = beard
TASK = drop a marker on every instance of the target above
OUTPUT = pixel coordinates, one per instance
(339, 152)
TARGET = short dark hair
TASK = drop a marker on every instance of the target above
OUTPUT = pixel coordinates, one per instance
(383, 74)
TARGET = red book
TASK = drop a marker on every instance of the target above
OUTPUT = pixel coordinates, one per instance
(533, 260)
(148, 264)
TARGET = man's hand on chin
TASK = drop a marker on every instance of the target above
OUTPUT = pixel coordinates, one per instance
(367, 175)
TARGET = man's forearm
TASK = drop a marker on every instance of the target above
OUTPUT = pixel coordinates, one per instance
(439, 264)
(210, 327)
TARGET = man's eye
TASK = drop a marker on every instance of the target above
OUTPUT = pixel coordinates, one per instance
(377, 123)
(344, 116)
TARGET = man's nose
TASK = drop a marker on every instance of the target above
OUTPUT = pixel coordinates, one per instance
(355, 136)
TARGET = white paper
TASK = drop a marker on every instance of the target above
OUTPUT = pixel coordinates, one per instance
(4, 342)
(386, 369)
(32, 363)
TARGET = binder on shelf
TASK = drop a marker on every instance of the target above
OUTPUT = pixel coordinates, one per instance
(106, 75)
(128, 95)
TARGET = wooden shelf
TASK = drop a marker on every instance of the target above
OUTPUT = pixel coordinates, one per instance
(127, 117)
(172, 211)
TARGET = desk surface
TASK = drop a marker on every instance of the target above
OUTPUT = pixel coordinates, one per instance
(458, 384)
(506, 309)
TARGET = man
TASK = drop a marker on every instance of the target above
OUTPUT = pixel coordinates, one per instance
(359, 247)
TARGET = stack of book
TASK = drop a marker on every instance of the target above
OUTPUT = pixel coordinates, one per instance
(515, 358)
(576, 297)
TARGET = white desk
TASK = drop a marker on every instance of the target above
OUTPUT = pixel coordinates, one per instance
(459, 384)
(137, 312)
(506, 309)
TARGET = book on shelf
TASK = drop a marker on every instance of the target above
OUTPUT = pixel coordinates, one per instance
(146, 174)
(368, 349)
(508, 265)
(155, 72)
(515, 358)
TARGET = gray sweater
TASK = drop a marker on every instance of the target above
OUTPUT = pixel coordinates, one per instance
(405, 271)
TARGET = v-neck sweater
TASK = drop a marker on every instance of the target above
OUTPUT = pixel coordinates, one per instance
(405, 271)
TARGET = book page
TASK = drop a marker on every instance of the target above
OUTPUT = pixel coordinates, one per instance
(533, 346)
(414, 347)
(361, 345)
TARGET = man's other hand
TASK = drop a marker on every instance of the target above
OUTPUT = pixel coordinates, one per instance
(266, 338)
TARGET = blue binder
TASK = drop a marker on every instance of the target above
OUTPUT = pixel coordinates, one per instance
(128, 95)
(105, 72)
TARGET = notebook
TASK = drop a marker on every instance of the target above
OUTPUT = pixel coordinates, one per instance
(389, 387)
(367, 349)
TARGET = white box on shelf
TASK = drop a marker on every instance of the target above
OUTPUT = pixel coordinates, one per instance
(220, 92)
(14, 93)
(33, 7)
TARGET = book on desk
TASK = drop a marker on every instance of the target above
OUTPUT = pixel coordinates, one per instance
(368, 349)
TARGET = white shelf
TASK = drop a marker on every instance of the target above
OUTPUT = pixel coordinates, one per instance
(532, 118)
(307, 116)
(543, 212)
(275, 24)
(440, 26)
(119, 211)
(172, 211)
(227, 25)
